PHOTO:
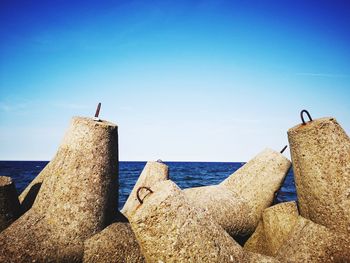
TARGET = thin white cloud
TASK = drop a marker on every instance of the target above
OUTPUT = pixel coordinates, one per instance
(326, 75)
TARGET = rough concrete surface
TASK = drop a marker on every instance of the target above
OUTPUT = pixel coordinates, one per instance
(273, 229)
(311, 242)
(320, 151)
(152, 173)
(225, 206)
(252, 187)
(257, 242)
(77, 198)
(169, 229)
(115, 244)
(258, 180)
(285, 235)
(9, 205)
(279, 220)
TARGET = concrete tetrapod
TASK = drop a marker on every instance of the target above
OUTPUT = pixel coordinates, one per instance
(320, 151)
(238, 202)
(152, 173)
(77, 198)
(115, 244)
(311, 242)
(169, 229)
(9, 205)
(273, 229)
(292, 238)
(224, 206)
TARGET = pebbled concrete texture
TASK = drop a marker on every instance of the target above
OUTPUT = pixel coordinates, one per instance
(152, 173)
(115, 244)
(311, 242)
(257, 241)
(170, 229)
(225, 206)
(288, 237)
(239, 201)
(320, 151)
(77, 197)
(259, 179)
(10, 208)
(279, 220)
(273, 229)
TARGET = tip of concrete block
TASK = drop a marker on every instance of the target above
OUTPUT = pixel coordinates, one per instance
(310, 124)
(5, 180)
(93, 121)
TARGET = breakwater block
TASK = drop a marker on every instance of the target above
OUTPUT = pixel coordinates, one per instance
(225, 207)
(152, 173)
(320, 151)
(311, 242)
(116, 243)
(285, 235)
(169, 229)
(252, 188)
(273, 229)
(77, 197)
(9, 205)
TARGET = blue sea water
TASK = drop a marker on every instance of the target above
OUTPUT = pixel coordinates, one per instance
(185, 174)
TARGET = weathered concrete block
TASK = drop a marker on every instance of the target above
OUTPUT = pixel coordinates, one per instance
(283, 234)
(115, 244)
(258, 258)
(77, 198)
(310, 242)
(257, 242)
(273, 229)
(170, 229)
(320, 151)
(259, 179)
(9, 204)
(279, 220)
(152, 173)
(252, 188)
(225, 206)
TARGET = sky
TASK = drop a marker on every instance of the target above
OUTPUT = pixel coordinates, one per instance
(183, 80)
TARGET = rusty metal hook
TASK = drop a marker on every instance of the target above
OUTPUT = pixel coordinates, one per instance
(138, 193)
(284, 148)
(98, 110)
(302, 116)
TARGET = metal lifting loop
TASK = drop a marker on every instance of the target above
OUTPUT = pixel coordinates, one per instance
(284, 148)
(98, 110)
(302, 116)
(138, 193)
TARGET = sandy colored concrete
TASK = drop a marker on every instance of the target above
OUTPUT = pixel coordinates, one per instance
(258, 180)
(152, 173)
(311, 242)
(273, 229)
(225, 206)
(252, 188)
(9, 205)
(288, 237)
(250, 257)
(320, 151)
(257, 242)
(115, 244)
(170, 229)
(279, 221)
(77, 198)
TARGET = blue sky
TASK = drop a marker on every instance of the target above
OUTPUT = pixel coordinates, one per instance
(184, 80)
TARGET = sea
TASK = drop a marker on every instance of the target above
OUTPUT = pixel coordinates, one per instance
(184, 174)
